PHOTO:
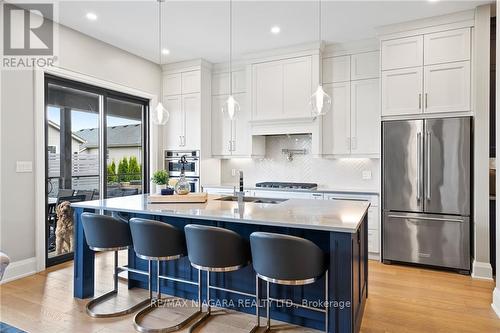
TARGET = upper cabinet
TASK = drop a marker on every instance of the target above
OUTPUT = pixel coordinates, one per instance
(447, 46)
(182, 83)
(220, 83)
(337, 69)
(427, 74)
(352, 127)
(281, 89)
(365, 65)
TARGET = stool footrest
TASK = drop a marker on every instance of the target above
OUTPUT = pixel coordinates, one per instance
(113, 293)
(154, 304)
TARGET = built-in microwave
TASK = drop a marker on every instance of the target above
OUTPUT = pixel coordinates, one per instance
(173, 165)
(194, 182)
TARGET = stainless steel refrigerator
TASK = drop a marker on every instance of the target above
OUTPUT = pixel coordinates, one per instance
(427, 192)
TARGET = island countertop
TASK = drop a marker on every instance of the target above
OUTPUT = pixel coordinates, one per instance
(326, 215)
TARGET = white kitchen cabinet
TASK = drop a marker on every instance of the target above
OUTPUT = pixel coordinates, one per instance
(191, 82)
(337, 69)
(402, 91)
(402, 52)
(172, 84)
(230, 138)
(282, 88)
(220, 83)
(174, 129)
(365, 117)
(221, 128)
(365, 65)
(447, 87)
(192, 121)
(297, 87)
(267, 80)
(373, 241)
(447, 46)
(337, 122)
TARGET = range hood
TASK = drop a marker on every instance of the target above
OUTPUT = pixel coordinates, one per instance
(312, 126)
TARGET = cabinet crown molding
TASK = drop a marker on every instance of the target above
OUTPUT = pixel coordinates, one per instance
(186, 66)
(427, 25)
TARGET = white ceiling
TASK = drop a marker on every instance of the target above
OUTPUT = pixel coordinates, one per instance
(194, 29)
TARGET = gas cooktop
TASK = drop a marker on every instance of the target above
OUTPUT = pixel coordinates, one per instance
(294, 186)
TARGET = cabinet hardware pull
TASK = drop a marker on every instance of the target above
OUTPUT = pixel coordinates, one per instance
(419, 101)
(354, 143)
(424, 218)
(419, 161)
(426, 100)
(429, 165)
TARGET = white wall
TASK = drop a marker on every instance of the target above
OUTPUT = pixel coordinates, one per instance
(78, 53)
(344, 173)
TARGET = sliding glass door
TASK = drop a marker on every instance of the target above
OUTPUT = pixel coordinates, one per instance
(96, 147)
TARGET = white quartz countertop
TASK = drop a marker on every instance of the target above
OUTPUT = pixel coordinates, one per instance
(327, 215)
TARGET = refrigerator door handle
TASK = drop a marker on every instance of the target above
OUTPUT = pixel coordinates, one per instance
(424, 218)
(419, 163)
(428, 139)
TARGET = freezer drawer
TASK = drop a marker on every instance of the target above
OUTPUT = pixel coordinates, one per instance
(437, 240)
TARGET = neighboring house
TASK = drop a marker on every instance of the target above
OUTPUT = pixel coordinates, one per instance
(54, 138)
(122, 141)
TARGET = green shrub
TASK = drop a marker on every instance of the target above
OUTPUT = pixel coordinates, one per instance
(123, 175)
(112, 178)
(134, 169)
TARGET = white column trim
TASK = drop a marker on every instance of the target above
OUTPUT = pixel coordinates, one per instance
(495, 305)
(20, 269)
(482, 270)
(39, 124)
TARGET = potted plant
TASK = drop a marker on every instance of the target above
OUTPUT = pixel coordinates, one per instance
(160, 178)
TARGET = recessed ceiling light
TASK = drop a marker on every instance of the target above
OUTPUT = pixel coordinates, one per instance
(275, 30)
(165, 51)
(91, 16)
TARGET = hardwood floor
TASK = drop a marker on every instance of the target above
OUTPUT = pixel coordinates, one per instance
(401, 299)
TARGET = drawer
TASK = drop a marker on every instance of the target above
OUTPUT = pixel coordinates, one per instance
(344, 196)
(373, 241)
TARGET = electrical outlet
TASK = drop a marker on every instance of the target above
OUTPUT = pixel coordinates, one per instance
(24, 166)
(366, 175)
(233, 172)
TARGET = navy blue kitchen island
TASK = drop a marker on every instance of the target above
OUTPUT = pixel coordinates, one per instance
(339, 228)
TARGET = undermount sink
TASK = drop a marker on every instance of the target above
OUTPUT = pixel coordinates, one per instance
(253, 200)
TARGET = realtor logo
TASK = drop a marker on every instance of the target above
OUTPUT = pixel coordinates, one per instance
(28, 29)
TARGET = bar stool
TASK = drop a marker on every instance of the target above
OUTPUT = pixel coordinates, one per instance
(213, 249)
(158, 241)
(287, 260)
(106, 233)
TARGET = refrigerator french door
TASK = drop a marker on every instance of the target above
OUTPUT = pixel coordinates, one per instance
(426, 191)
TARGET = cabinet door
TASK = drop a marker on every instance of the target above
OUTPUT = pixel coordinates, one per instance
(297, 87)
(241, 133)
(172, 84)
(267, 90)
(337, 122)
(337, 69)
(192, 121)
(365, 65)
(174, 129)
(221, 128)
(365, 117)
(447, 46)
(220, 83)
(447, 87)
(402, 91)
(191, 82)
(403, 52)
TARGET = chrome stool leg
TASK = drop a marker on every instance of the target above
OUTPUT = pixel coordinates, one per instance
(207, 314)
(257, 306)
(98, 300)
(156, 302)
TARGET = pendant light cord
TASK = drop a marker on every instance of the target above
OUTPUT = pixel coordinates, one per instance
(159, 49)
(319, 40)
(230, 47)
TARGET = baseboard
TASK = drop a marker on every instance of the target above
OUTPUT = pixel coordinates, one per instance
(495, 304)
(482, 270)
(19, 269)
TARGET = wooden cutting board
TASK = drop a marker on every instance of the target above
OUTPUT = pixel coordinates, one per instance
(175, 198)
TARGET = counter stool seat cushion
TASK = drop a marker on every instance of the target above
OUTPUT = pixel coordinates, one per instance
(285, 257)
(105, 232)
(155, 239)
(216, 248)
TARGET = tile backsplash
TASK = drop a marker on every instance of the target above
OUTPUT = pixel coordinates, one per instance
(340, 173)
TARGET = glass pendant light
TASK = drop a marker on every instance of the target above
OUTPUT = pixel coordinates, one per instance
(231, 107)
(160, 113)
(320, 102)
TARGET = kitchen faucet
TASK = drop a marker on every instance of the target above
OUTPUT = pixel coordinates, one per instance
(241, 192)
